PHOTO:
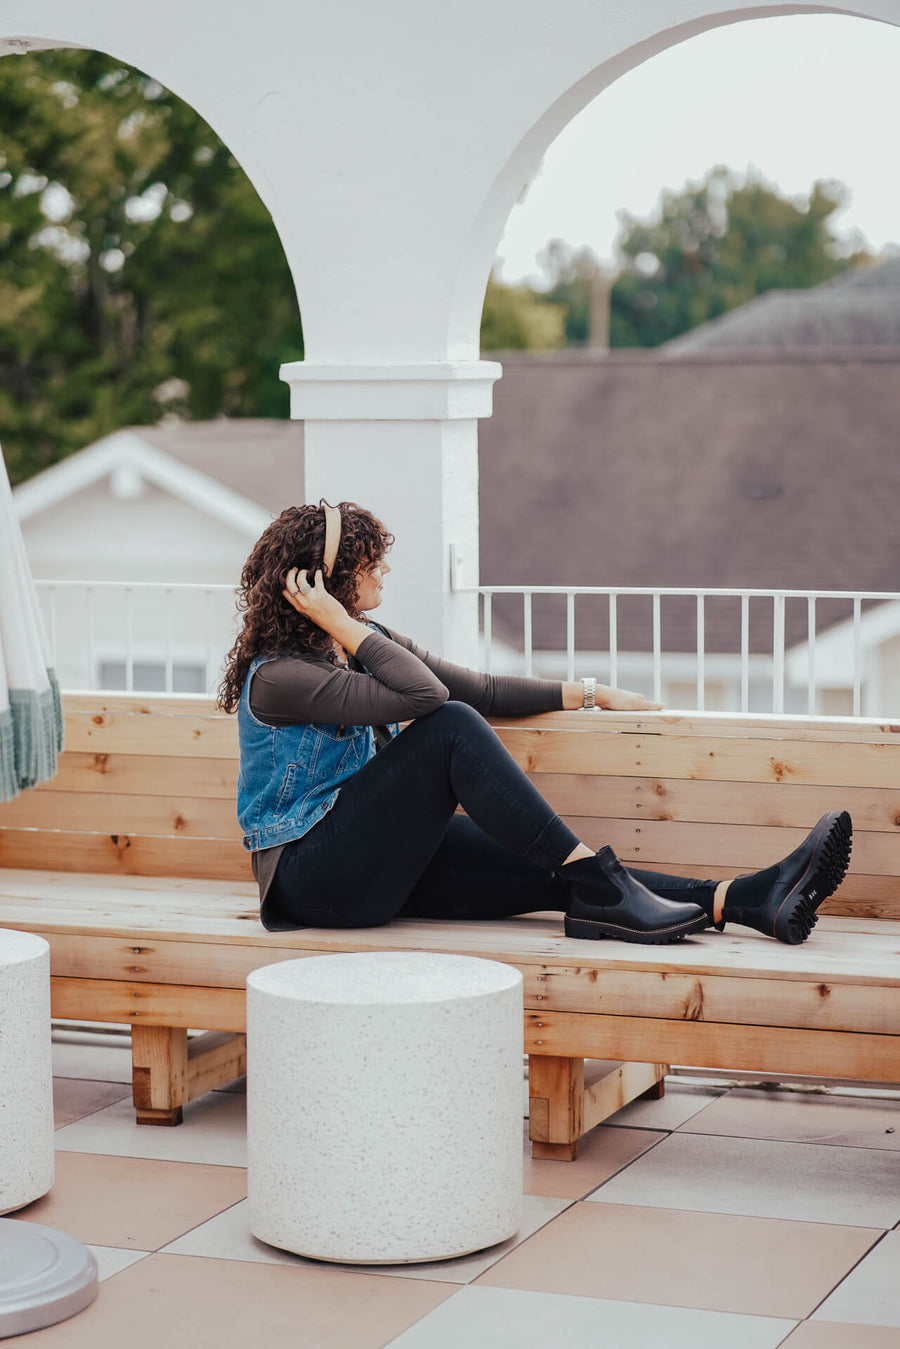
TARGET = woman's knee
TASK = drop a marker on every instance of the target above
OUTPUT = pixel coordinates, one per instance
(454, 714)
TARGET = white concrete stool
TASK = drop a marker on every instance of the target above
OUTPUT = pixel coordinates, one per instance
(384, 1105)
(26, 1073)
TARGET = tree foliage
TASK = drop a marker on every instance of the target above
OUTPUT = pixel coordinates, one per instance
(716, 245)
(709, 248)
(518, 318)
(139, 271)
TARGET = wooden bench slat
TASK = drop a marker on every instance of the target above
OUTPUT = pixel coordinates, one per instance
(212, 736)
(818, 1053)
(143, 775)
(219, 859)
(738, 847)
(109, 813)
(790, 805)
(688, 996)
(700, 725)
(717, 759)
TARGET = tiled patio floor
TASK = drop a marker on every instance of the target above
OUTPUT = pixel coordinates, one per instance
(745, 1218)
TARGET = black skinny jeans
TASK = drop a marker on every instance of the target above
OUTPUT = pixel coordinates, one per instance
(393, 846)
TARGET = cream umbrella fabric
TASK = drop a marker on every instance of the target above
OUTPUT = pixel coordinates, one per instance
(31, 729)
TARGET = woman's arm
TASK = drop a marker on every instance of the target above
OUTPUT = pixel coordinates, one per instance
(398, 687)
(291, 689)
(514, 696)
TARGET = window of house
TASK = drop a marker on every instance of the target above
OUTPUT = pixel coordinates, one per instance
(150, 676)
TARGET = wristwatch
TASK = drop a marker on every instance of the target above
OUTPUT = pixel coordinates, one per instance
(590, 689)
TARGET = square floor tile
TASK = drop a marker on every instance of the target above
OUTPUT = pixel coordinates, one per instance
(601, 1153)
(525, 1320)
(228, 1237)
(112, 1260)
(214, 1132)
(73, 1099)
(853, 1186)
(679, 1103)
(717, 1262)
(870, 1295)
(182, 1300)
(133, 1203)
(856, 1122)
(98, 1062)
(821, 1335)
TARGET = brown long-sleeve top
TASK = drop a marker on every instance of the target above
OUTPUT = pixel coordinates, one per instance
(390, 679)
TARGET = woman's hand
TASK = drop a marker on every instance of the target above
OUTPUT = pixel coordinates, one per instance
(312, 600)
(315, 603)
(622, 700)
(613, 700)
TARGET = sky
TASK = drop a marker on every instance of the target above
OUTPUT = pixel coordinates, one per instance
(796, 99)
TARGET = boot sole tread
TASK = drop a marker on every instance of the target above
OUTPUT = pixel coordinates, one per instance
(797, 915)
(654, 937)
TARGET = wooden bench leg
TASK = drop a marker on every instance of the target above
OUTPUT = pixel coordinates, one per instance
(556, 1106)
(168, 1070)
(568, 1098)
(158, 1073)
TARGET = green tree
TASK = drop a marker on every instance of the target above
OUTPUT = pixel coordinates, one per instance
(139, 271)
(572, 272)
(517, 318)
(714, 246)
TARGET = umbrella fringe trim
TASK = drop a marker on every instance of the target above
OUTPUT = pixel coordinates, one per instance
(31, 737)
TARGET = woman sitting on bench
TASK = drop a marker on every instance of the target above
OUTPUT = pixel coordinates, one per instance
(351, 824)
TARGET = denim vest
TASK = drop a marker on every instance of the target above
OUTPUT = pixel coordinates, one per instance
(290, 776)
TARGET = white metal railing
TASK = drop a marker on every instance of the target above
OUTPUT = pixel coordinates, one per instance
(844, 640)
(172, 637)
(164, 637)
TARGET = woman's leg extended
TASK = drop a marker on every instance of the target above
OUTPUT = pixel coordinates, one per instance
(472, 876)
(360, 864)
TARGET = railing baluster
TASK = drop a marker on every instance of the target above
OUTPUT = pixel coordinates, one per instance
(745, 653)
(93, 681)
(488, 632)
(701, 654)
(657, 647)
(209, 676)
(857, 655)
(811, 656)
(169, 640)
(129, 639)
(570, 635)
(51, 625)
(613, 640)
(528, 616)
(778, 653)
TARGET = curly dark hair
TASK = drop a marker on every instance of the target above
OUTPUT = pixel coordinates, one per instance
(271, 627)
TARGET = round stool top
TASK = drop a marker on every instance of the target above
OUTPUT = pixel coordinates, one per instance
(45, 1277)
(17, 948)
(384, 978)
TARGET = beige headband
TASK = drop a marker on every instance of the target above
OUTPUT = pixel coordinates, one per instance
(332, 538)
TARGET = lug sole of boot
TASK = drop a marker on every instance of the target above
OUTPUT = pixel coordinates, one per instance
(594, 929)
(796, 915)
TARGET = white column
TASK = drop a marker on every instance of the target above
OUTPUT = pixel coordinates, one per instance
(403, 442)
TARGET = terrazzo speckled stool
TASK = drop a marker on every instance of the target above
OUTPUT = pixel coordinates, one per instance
(384, 1105)
(26, 1074)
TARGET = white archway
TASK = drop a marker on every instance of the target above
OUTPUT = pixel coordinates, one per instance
(389, 143)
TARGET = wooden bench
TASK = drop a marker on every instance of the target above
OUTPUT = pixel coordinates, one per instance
(129, 863)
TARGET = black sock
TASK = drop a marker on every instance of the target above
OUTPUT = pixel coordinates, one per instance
(749, 892)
